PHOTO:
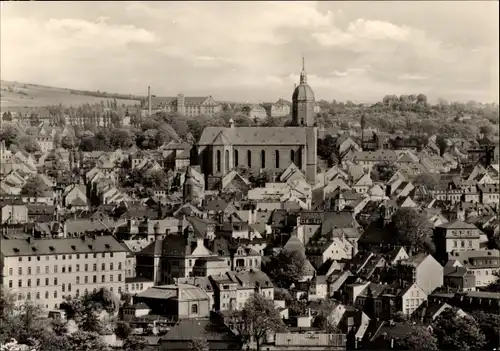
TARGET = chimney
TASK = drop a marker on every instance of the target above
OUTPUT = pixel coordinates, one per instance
(149, 101)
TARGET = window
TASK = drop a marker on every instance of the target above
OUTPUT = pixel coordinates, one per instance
(86, 255)
(46, 294)
(454, 243)
(63, 269)
(20, 296)
(63, 287)
(111, 266)
(28, 296)
(111, 254)
(69, 257)
(20, 259)
(194, 308)
(10, 283)
(11, 271)
(111, 277)
(470, 243)
(55, 281)
(55, 294)
(86, 267)
(55, 269)
(119, 277)
(235, 158)
(218, 161)
(103, 267)
(249, 159)
(38, 282)
(277, 156)
(292, 156)
(29, 270)
(46, 269)
(46, 281)
(119, 266)
(86, 279)
(103, 255)
(263, 159)
(95, 267)
(29, 258)
(95, 279)
(77, 292)
(69, 287)
(20, 271)
(78, 280)
(63, 257)
(95, 255)
(37, 269)
(103, 278)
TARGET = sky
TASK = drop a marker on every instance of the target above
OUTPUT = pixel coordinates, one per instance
(252, 51)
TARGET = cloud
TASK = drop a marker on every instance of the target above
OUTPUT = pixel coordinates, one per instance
(249, 50)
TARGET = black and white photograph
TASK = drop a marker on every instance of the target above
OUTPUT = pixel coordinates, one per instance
(249, 175)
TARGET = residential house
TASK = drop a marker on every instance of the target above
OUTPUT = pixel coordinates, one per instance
(484, 264)
(422, 269)
(489, 194)
(13, 212)
(457, 235)
(254, 111)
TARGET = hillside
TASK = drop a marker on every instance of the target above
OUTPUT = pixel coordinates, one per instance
(15, 95)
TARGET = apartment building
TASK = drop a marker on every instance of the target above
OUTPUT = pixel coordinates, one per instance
(47, 270)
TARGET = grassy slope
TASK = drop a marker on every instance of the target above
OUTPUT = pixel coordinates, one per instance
(30, 95)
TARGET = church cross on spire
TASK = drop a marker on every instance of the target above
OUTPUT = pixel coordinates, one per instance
(303, 76)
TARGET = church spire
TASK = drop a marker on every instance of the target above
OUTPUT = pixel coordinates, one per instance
(303, 76)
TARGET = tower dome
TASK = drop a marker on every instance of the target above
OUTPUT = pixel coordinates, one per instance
(303, 102)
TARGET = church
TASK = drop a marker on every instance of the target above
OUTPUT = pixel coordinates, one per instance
(221, 149)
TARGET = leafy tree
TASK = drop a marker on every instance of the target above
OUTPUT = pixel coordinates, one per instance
(429, 180)
(8, 134)
(135, 343)
(490, 326)
(382, 172)
(259, 317)
(458, 333)
(34, 187)
(68, 142)
(86, 341)
(419, 338)
(495, 286)
(285, 267)
(123, 330)
(486, 130)
(26, 143)
(199, 344)
(369, 306)
(323, 320)
(442, 144)
(421, 99)
(413, 230)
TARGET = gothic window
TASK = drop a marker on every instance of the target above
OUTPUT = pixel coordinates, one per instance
(235, 161)
(292, 156)
(277, 153)
(249, 159)
(263, 159)
(227, 160)
(218, 161)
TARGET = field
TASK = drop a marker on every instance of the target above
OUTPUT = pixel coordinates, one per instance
(16, 95)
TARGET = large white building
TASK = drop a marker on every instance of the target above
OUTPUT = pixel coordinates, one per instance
(47, 270)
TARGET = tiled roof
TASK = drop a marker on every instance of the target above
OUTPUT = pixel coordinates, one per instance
(189, 329)
(187, 292)
(458, 225)
(16, 247)
(255, 135)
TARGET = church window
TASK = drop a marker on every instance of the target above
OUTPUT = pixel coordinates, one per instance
(249, 159)
(218, 161)
(277, 153)
(263, 159)
(227, 160)
(235, 158)
(292, 156)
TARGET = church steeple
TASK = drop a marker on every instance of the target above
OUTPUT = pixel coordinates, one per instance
(303, 75)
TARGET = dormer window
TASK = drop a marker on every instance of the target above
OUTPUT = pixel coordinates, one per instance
(73, 247)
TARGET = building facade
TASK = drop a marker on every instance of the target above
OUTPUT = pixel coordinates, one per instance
(47, 270)
(183, 105)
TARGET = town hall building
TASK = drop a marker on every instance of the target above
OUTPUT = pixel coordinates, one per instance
(222, 149)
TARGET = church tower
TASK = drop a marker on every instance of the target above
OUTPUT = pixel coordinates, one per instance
(303, 103)
(303, 116)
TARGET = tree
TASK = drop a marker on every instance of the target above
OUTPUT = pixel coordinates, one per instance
(486, 130)
(369, 306)
(86, 341)
(413, 230)
(442, 144)
(123, 330)
(382, 172)
(430, 181)
(68, 142)
(495, 286)
(34, 187)
(419, 338)
(323, 319)
(285, 267)
(199, 344)
(135, 343)
(490, 326)
(458, 333)
(259, 318)
(421, 99)
(26, 143)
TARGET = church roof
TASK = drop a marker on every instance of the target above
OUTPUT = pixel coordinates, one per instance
(254, 135)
